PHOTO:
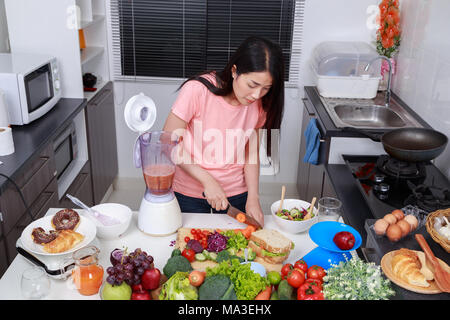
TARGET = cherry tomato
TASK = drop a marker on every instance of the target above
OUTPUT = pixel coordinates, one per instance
(296, 278)
(286, 269)
(316, 272)
(301, 265)
(189, 254)
(186, 239)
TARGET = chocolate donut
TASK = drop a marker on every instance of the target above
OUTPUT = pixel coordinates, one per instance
(66, 219)
(39, 235)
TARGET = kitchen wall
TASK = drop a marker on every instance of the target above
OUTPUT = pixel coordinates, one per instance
(423, 65)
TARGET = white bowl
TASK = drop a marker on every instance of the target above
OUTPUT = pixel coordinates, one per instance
(289, 225)
(115, 210)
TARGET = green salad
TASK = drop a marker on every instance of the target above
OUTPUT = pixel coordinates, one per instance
(295, 214)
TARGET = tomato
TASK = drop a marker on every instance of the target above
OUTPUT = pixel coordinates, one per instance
(316, 272)
(286, 269)
(296, 278)
(309, 292)
(301, 264)
(189, 254)
(187, 239)
(314, 282)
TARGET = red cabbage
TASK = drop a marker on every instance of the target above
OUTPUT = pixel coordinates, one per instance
(216, 242)
(195, 245)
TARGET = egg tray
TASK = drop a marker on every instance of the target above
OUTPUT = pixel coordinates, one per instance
(433, 232)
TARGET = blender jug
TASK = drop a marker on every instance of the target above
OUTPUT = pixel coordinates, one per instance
(159, 212)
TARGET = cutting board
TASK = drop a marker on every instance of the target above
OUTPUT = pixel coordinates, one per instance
(387, 269)
(202, 265)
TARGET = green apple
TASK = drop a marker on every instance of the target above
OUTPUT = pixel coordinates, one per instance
(121, 292)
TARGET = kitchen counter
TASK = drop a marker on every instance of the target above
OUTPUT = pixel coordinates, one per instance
(31, 139)
(158, 247)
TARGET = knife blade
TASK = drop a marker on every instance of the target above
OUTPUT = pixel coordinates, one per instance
(233, 212)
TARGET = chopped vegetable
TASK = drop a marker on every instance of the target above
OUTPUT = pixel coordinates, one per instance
(200, 257)
(235, 240)
(195, 245)
(178, 287)
(216, 242)
(240, 217)
(295, 214)
(356, 280)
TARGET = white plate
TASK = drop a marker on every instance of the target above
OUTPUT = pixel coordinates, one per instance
(86, 227)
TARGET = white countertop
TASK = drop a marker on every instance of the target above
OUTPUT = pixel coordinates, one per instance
(158, 247)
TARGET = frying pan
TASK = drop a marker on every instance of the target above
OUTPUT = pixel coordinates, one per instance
(409, 144)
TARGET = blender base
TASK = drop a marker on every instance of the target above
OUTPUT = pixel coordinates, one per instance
(159, 219)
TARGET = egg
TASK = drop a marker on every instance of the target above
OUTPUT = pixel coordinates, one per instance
(394, 233)
(390, 218)
(405, 226)
(412, 220)
(380, 226)
(398, 214)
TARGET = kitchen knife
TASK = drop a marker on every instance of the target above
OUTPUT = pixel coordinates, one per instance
(233, 212)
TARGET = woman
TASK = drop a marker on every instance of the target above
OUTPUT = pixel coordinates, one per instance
(212, 111)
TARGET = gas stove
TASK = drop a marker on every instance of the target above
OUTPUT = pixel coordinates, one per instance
(388, 184)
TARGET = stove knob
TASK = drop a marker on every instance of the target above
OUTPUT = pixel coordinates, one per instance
(384, 187)
(378, 178)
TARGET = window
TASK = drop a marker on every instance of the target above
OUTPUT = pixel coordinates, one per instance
(178, 38)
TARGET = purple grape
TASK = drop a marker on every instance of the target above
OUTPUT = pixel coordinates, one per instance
(110, 270)
(145, 264)
(119, 267)
(111, 279)
(128, 274)
(129, 267)
(136, 263)
(140, 271)
(150, 259)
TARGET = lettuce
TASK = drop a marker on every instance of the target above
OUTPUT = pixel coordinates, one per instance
(247, 283)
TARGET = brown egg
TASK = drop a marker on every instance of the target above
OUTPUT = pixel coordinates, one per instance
(394, 233)
(405, 226)
(412, 220)
(390, 218)
(380, 227)
(398, 214)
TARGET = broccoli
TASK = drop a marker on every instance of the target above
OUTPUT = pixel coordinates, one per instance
(225, 255)
(217, 287)
(176, 263)
(176, 252)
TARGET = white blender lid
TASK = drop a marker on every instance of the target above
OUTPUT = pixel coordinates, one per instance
(140, 113)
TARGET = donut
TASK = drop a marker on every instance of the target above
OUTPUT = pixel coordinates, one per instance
(66, 219)
(39, 235)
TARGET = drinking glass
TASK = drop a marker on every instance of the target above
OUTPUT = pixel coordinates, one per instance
(329, 209)
(35, 283)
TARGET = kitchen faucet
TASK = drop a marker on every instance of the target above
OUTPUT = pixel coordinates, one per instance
(387, 98)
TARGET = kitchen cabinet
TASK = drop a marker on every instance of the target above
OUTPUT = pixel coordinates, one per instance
(80, 188)
(312, 180)
(102, 144)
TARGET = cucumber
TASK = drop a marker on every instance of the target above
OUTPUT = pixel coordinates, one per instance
(285, 290)
(274, 295)
(212, 256)
(200, 257)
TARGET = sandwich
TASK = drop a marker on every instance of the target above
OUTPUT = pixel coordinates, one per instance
(270, 245)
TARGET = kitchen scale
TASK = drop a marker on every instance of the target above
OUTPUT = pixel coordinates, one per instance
(51, 264)
(159, 212)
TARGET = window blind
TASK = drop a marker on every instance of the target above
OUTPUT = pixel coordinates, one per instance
(174, 39)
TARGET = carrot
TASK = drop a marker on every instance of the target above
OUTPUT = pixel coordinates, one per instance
(240, 217)
(196, 277)
(246, 233)
(264, 294)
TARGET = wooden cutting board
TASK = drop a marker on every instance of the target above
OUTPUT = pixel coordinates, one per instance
(387, 269)
(202, 265)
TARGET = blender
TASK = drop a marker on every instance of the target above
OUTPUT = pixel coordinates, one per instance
(159, 212)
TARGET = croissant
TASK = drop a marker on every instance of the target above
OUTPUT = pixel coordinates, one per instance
(65, 240)
(406, 265)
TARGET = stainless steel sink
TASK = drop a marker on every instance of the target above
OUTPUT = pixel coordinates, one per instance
(368, 113)
(372, 116)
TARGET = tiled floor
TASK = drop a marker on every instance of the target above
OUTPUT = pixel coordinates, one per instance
(130, 193)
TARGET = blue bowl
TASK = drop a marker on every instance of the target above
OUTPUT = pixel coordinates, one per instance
(322, 234)
(325, 258)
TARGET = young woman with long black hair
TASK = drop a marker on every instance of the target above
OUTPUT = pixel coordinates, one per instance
(213, 110)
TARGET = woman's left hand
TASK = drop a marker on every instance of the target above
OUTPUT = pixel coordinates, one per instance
(253, 209)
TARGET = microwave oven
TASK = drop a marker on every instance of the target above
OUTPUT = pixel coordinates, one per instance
(31, 85)
(66, 151)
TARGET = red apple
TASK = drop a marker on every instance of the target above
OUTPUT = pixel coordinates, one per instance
(344, 240)
(150, 279)
(137, 287)
(141, 295)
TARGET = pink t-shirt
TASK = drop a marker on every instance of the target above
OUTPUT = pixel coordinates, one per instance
(215, 138)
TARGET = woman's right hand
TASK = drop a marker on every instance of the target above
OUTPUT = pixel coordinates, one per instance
(215, 195)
